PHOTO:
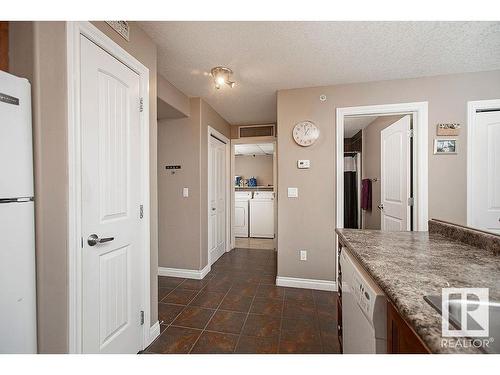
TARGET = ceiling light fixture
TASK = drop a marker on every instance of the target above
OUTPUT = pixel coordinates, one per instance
(221, 76)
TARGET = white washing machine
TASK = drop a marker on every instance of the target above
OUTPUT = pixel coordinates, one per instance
(241, 203)
(262, 214)
(364, 310)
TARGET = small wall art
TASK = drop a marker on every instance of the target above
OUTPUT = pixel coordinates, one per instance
(448, 129)
(445, 146)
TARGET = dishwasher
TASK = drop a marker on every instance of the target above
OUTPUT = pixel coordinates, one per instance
(364, 310)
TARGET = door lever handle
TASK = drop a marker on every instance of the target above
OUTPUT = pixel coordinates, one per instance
(94, 240)
(381, 206)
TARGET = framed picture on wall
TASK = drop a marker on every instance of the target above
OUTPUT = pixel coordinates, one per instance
(445, 146)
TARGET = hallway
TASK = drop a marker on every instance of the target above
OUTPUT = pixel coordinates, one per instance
(254, 243)
(238, 309)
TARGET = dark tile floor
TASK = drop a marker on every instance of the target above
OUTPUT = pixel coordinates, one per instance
(238, 309)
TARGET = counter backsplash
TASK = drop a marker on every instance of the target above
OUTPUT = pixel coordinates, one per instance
(467, 235)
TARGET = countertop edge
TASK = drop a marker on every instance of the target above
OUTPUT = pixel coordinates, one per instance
(390, 296)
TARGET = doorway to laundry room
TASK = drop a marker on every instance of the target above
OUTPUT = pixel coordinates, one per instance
(254, 204)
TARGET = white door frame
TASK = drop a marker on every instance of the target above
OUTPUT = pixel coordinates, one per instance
(73, 32)
(211, 131)
(472, 107)
(419, 110)
(253, 141)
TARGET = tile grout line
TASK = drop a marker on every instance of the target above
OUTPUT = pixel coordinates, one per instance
(246, 318)
(317, 322)
(180, 312)
(262, 273)
(209, 320)
(281, 320)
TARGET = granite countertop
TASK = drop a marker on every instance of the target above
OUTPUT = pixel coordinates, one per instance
(409, 265)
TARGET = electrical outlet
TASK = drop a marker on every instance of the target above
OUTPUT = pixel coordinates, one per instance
(303, 254)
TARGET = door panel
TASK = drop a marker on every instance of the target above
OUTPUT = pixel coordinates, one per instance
(486, 172)
(241, 219)
(17, 277)
(112, 272)
(114, 301)
(217, 199)
(16, 151)
(113, 150)
(262, 218)
(395, 176)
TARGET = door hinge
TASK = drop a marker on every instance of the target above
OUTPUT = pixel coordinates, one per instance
(411, 201)
(411, 133)
(142, 317)
(82, 241)
(141, 104)
(141, 211)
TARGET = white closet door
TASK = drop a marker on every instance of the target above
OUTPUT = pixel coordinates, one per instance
(486, 172)
(217, 199)
(395, 176)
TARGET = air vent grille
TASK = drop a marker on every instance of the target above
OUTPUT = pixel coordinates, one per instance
(257, 131)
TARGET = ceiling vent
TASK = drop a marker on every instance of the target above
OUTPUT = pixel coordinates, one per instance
(267, 130)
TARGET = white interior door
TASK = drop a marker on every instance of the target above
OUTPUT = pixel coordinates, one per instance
(217, 199)
(395, 176)
(486, 172)
(112, 281)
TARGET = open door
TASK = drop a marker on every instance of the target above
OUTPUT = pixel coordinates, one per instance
(395, 176)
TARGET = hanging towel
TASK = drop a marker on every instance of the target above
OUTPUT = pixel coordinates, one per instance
(350, 200)
(366, 194)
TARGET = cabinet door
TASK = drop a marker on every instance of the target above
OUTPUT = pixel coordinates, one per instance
(400, 337)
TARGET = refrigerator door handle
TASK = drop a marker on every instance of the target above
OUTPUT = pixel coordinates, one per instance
(16, 200)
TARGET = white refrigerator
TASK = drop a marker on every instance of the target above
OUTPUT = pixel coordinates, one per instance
(17, 221)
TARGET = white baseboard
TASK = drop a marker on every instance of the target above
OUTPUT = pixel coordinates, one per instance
(184, 273)
(294, 282)
(154, 332)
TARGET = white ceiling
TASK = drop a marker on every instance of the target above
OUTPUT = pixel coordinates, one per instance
(254, 149)
(352, 125)
(269, 56)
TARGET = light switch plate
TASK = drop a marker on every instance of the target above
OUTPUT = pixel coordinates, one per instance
(185, 192)
(303, 164)
(303, 254)
(293, 192)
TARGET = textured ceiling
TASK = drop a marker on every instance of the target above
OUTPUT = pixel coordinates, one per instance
(269, 56)
(254, 149)
(352, 125)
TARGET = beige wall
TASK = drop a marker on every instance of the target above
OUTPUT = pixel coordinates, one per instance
(172, 103)
(309, 221)
(179, 229)
(370, 166)
(258, 166)
(38, 51)
(183, 221)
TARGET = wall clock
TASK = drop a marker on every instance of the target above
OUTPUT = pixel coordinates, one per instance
(305, 133)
